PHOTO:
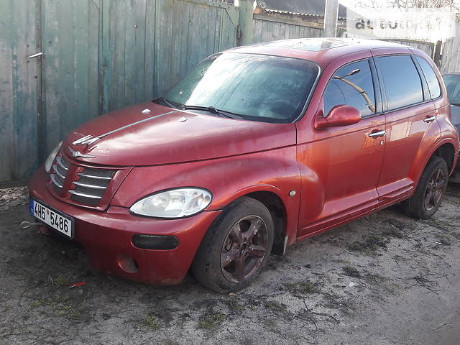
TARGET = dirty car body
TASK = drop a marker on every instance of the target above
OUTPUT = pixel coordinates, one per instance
(258, 148)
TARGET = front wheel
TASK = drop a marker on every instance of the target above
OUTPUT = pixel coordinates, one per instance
(236, 247)
(430, 190)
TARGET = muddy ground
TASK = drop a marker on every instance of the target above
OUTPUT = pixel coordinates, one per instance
(384, 279)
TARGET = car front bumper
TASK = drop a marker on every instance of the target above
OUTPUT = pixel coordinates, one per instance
(108, 238)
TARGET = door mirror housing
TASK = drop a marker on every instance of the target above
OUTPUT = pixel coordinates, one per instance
(341, 115)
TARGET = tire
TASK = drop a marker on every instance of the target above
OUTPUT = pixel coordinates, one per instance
(236, 247)
(430, 190)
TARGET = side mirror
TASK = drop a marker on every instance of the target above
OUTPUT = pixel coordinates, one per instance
(341, 115)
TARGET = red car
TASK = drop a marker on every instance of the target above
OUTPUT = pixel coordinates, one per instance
(257, 148)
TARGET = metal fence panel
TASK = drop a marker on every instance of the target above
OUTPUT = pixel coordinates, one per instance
(70, 75)
(18, 89)
(149, 45)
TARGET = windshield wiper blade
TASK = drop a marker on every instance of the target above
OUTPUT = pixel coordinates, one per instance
(213, 110)
(166, 102)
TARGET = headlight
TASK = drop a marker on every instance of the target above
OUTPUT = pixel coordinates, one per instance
(174, 203)
(50, 159)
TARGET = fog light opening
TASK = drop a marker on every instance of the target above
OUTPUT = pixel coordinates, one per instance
(127, 263)
(155, 242)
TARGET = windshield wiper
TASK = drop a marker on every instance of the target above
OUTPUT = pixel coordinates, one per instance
(213, 110)
(166, 102)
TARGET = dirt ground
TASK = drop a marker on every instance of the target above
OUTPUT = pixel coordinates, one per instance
(385, 279)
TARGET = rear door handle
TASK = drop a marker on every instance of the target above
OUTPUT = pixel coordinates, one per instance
(377, 134)
(429, 119)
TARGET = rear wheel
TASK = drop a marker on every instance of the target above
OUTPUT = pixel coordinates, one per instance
(236, 247)
(430, 190)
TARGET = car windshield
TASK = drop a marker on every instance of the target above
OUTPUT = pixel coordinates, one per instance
(253, 87)
(452, 82)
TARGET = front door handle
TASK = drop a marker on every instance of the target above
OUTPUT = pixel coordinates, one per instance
(377, 134)
(429, 119)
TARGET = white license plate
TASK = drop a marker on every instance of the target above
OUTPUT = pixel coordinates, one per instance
(55, 219)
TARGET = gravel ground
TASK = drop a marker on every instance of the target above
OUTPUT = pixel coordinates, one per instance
(384, 279)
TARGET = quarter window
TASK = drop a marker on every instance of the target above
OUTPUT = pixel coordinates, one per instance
(430, 76)
(351, 85)
(401, 80)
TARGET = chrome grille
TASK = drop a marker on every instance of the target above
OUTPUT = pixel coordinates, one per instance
(60, 169)
(90, 186)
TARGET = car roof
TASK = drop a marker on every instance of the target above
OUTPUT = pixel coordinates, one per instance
(321, 50)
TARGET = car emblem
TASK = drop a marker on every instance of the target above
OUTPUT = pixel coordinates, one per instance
(76, 154)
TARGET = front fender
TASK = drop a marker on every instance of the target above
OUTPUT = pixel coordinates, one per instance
(274, 171)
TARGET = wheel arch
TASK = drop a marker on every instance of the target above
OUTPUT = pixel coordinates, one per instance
(446, 152)
(277, 210)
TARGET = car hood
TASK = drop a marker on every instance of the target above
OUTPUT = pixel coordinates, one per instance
(151, 134)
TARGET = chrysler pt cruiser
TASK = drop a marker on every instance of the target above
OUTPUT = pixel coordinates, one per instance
(257, 148)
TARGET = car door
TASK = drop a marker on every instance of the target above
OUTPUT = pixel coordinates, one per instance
(410, 116)
(341, 165)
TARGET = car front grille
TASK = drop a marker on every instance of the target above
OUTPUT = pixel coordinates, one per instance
(91, 185)
(61, 169)
(82, 185)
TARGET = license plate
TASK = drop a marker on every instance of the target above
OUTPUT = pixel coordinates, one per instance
(53, 218)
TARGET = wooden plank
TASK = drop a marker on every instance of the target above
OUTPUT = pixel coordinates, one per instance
(290, 21)
(118, 12)
(18, 90)
(149, 45)
(450, 55)
(105, 68)
(149, 64)
(271, 29)
(70, 68)
(57, 67)
(7, 147)
(94, 47)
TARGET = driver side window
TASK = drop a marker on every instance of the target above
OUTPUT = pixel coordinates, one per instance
(351, 85)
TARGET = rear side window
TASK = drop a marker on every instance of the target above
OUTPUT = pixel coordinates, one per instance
(351, 85)
(430, 76)
(401, 80)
